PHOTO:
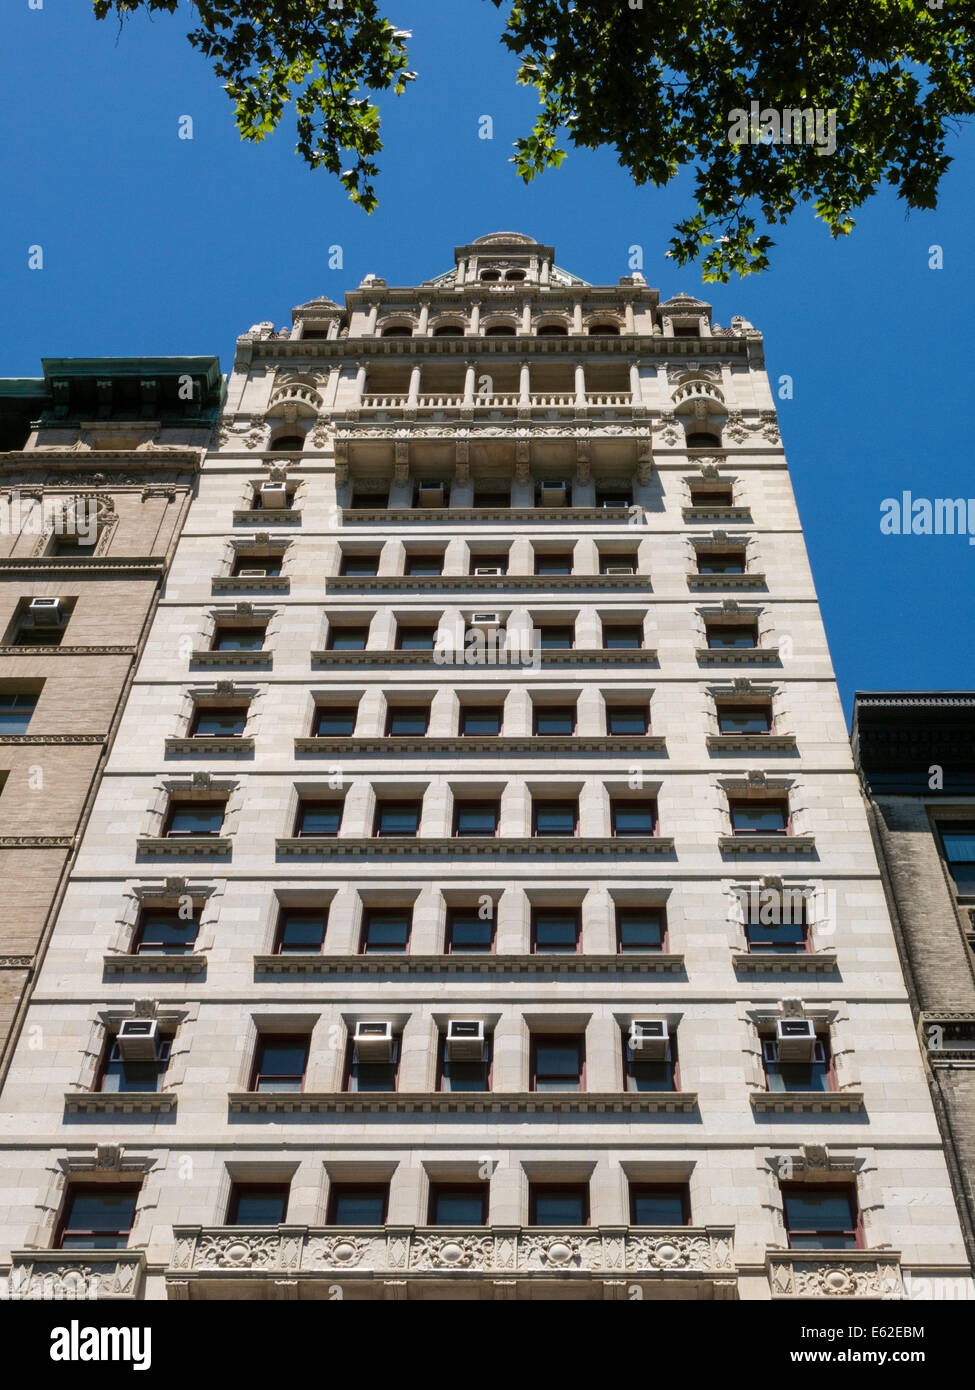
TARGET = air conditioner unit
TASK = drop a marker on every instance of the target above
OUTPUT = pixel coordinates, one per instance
(46, 612)
(430, 494)
(465, 1040)
(373, 1042)
(252, 574)
(553, 494)
(621, 569)
(770, 1051)
(796, 1038)
(485, 620)
(650, 1037)
(138, 1039)
(274, 494)
(488, 570)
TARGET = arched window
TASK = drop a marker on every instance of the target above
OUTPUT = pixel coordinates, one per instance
(489, 276)
(449, 330)
(515, 275)
(287, 444)
(500, 330)
(604, 330)
(553, 330)
(398, 330)
(698, 439)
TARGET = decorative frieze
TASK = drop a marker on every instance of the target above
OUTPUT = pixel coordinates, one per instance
(839, 1274)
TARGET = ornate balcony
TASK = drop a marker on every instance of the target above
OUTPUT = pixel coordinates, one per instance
(82, 1274)
(698, 390)
(206, 1260)
(835, 1274)
(293, 398)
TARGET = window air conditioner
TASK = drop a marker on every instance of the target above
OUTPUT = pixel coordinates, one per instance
(465, 1040)
(484, 620)
(487, 570)
(621, 569)
(650, 1038)
(274, 494)
(796, 1038)
(553, 494)
(430, 494)
(138, 1039)
(252, 574)
(373, 1042)
(46, 612)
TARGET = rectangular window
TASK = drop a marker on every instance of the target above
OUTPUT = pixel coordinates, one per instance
(408, 720)
(468, 933)
(821, 1218)
(458, 1206)
(424, 564)
(556, 931)
(397, 818)
(476, 817)
(745, 719)
(412, 637)
(711, 492)
(814, 1075)
(269, 564)
(38, 636)
(332, 722)
(667, 1205)
(164, 932)
(645, 1073)
(301, 931)
(557, 720)
(358, 1204)
(958, 840)
(555, 817)
(640, 929)
(16, 708)
(319, 818)
(480, 721)
(347, 639)
(280, 1062)
(557, 1063)
(631, 817)
(212, 721)
(549, 562)
(722, 635)
(556, 636)
(386, 932)
(238, 639)
(612, 563)
(563, 1204)
(790, 935)
(465, 1073)
(366, 565)
(613, 497)
(753, 817)
(623, 636)
(97, 1218)
(116, 1075)
(195, 818)
(489, 562)
(485, 498)
(627, 719)
(372, 1076)
(258, 1204)
(724, 562)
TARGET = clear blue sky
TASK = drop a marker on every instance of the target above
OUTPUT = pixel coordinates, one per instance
(158, 245)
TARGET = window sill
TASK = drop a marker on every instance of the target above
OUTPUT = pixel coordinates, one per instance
(469, 846)
(751, 743)
(232, 584)
(737, 656)
(184, 847)
(501, 745)
(515, 515)
(726, 581)
(786, 963)
(482, 583)
(461, 1102)
(120, 1102)
(835, 1274)
(565, 656)
(255, 659)
(806, 1102)
(767, 844)
(76, 1274)
(203, 745)
(637, 963)
(706, 513)
(288, 516)
(190, 964)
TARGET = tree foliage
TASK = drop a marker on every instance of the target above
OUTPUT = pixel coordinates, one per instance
(655, 80)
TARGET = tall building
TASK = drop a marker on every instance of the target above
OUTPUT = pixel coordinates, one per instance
(916, 754)
(479, 901)
(97, 462)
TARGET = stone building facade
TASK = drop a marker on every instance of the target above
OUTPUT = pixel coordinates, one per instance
(479, 900)
(99, 458)
(915, 751)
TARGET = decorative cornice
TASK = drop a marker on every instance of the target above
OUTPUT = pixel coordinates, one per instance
(261, 659)
(767, 844)
(568, 656)
(482, 583)
(835, 1274)
(737, 656)
(16, 962)
(754, 580)
(31, 740)
(647, 963)
(806, 1102)
(530, 743)
(786, 963)
(203, 745)
(751, 743)
(184, 847)
(70, 565)
(472, 847)
(705, 513)
(189, 964)
(120, 1102)
(461, 1102)
(36, 842)
(289, 516)
(234, 583)
(82, 1274)
(396, 516)
(67, 651)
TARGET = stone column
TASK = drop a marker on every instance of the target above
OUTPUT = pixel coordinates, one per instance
(414, 391)
(580, 384)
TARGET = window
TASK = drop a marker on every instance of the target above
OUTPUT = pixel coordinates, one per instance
(194, 818)
(72, 545)
(319, 818)
(644, 1072)
(613, 497)
(623, 636)
(449, 330)
(280, 1063)
(958, 841)
(721, 562)
(550, 562)
(555, 719)
(514, 275)
(468, 933)
(627, 719)
(604, 330)
(414, 637)
(556, 636)
(745, 719)
(558, 1205)
(398, 330)
(775, 938)
(424, 564)
(489, 276)
(553, 330)
(358, 1204)
(640, 929)
(555, 931)
(481, 721)
(97, 1218)
(301, 931)
(386, 932)
(268, 566)
(467, 1073)
(164, 932)
(258, 1204)
(406, 720)
(459, 1206)
(555, 817)
(347, 639)
(700, 439)
(617, 564)
(557, 1064)
(397, 818)
(334, 722)
(688, 330)
(476, 817)
(821, 1218)
(631, 817)
(117, 1075)
(287, 444)
(732, 635)
(258, 503)
(16, 708)
(815, 1075)
(709, 492)
(497, 562)
(359, 565)
(238, 639)
(29, 636)
(218, 721)
(500, 330)
(373, 1076)
(368, 501)
(754, 817)
(486, 497)
(667, 1205)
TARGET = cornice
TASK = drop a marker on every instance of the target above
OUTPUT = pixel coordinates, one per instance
(102, 564)
(752, 580)
(737, 656)
(501, 746)
(472, 846)
(461, 1102)
(36, 841)
(31, 740)
(482, 583)
(123, 964)
(67, 651)
(648, 963)
(806, 1102)
(119, 1102)
(751, 743)
(787, 963)
(521, 345)
(569, 656)
(767, 844)
(184, 847)
(203, 745)
(395, 516)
